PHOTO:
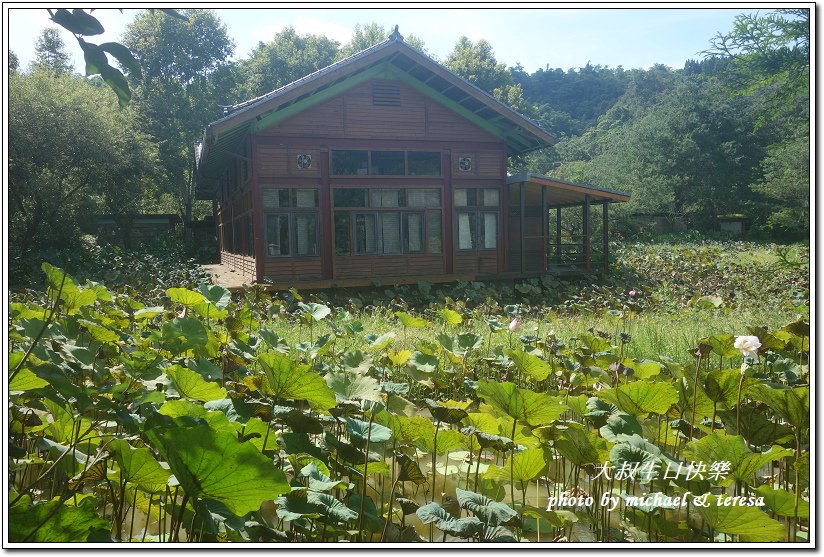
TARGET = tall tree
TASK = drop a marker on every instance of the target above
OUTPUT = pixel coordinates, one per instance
(64, 169)
(185, 74)
(50, 53)
(476, 63)
(371, 34)
(14, 62)
(284, 59)
(770, 54)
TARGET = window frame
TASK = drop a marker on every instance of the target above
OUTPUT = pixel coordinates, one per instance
(369, 164)
(291, 212)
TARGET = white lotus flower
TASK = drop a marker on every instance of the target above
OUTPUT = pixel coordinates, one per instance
(748, 345)
(514, 324)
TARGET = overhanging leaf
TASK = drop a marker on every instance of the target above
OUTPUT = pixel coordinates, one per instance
(215, 465)
(750, 523)
(287, 380)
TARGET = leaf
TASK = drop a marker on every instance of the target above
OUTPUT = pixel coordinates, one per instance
(379, 342)
(318, 481)
(425, 363)
(523, 405)
(791, 404)
(639, 398)
(351, 386)
(115, 80)
(620, 424)
(578, 445)
(148, 313)
(126, 59)
(722, 386)
(183, 334)
(450, 317)
(359, 431)
(409, 470)
(78, 22)
(490, 512)
(443, 413)
(215, 465)
(139, 466)
(316, 311)
(448, 440)
(26, 380)
(525, 466)
(529, 364)
(411, 321)
(60, 522)
(750, 523)
(185, 297)
(459, 527)
(331, 506)
(400, 357)
(287, 380)
(782, 502)
(191, 385)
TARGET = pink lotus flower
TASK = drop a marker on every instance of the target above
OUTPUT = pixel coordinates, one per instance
(748, 345)
(513, 325)
(632, 293)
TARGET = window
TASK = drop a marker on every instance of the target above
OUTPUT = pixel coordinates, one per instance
(291, 233)
(477, 230)
(279, 198)
(387, 163)
(424, 163)
(292, 228)
(347, 162)
(350, 163)
(477, 222)
(397, 220)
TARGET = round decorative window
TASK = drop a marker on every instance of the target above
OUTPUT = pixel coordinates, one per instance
(465, 164)
(304, 161)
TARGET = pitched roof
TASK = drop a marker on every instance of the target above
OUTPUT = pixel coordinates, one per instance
(391, 59)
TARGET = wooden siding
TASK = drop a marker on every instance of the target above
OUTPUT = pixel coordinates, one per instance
(485, 164)
(389, 266)
(352, 115)
(485, 263)
(286, 269)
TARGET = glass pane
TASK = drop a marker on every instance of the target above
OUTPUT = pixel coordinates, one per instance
(466, 230)
(424, 164)
(387, 163)
(490, 230)
(306, 234)
(419, 197)
(434, 242)
(387, 198)
(489, 197)
(350, 163)
(277, 235)
(413, 232)
(366, 240)
(274, 198)
(306, 198)
(460, 198)
(350, 197)
(391, 232)
(343, 243)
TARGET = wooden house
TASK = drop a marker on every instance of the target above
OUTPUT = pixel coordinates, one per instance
(386, 167)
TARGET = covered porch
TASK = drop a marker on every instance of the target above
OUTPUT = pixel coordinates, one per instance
(557, 227)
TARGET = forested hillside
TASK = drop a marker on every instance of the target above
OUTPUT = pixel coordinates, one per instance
(725, 134)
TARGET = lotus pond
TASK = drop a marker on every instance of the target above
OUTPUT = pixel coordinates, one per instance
(636, 408)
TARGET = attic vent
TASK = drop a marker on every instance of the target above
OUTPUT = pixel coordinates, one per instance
(386, 94)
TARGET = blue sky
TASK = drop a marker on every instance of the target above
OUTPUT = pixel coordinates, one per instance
(534, 35)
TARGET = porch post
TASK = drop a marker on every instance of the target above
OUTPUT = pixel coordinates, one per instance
(605, 227)
(523, 219)
(544, 231)
(587, 248)
(558, 235)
